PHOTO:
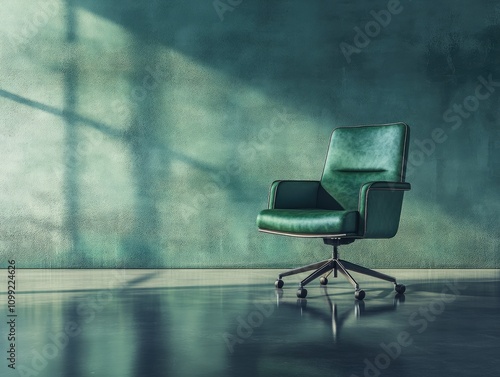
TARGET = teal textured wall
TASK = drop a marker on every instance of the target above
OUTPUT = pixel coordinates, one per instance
(147, 133)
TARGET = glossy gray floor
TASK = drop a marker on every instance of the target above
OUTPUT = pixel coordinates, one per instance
(122, 323)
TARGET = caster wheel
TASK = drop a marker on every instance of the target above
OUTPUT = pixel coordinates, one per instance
(279, 283)
(323, 281)
(400, 288)
(301, 293)
(359, 294)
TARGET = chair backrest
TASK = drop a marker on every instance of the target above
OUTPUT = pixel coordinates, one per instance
(362, 154)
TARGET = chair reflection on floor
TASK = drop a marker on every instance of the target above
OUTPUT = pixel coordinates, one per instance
(338, 318)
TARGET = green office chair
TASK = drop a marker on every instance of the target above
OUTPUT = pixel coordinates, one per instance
(359, 195)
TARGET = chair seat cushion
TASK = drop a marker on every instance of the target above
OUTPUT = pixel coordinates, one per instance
(308, 221)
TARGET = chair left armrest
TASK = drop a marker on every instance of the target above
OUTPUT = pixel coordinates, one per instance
(288, 194)
(379, 207)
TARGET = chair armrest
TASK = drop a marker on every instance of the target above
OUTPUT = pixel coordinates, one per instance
(296, 194)
(380, 208)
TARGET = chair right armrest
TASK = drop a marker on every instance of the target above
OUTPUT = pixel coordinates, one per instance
(293, 194)
(380, 208)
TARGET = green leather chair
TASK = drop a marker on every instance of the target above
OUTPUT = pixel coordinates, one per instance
(359, 196)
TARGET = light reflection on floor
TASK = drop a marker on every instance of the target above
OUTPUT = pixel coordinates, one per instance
(200, 323)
